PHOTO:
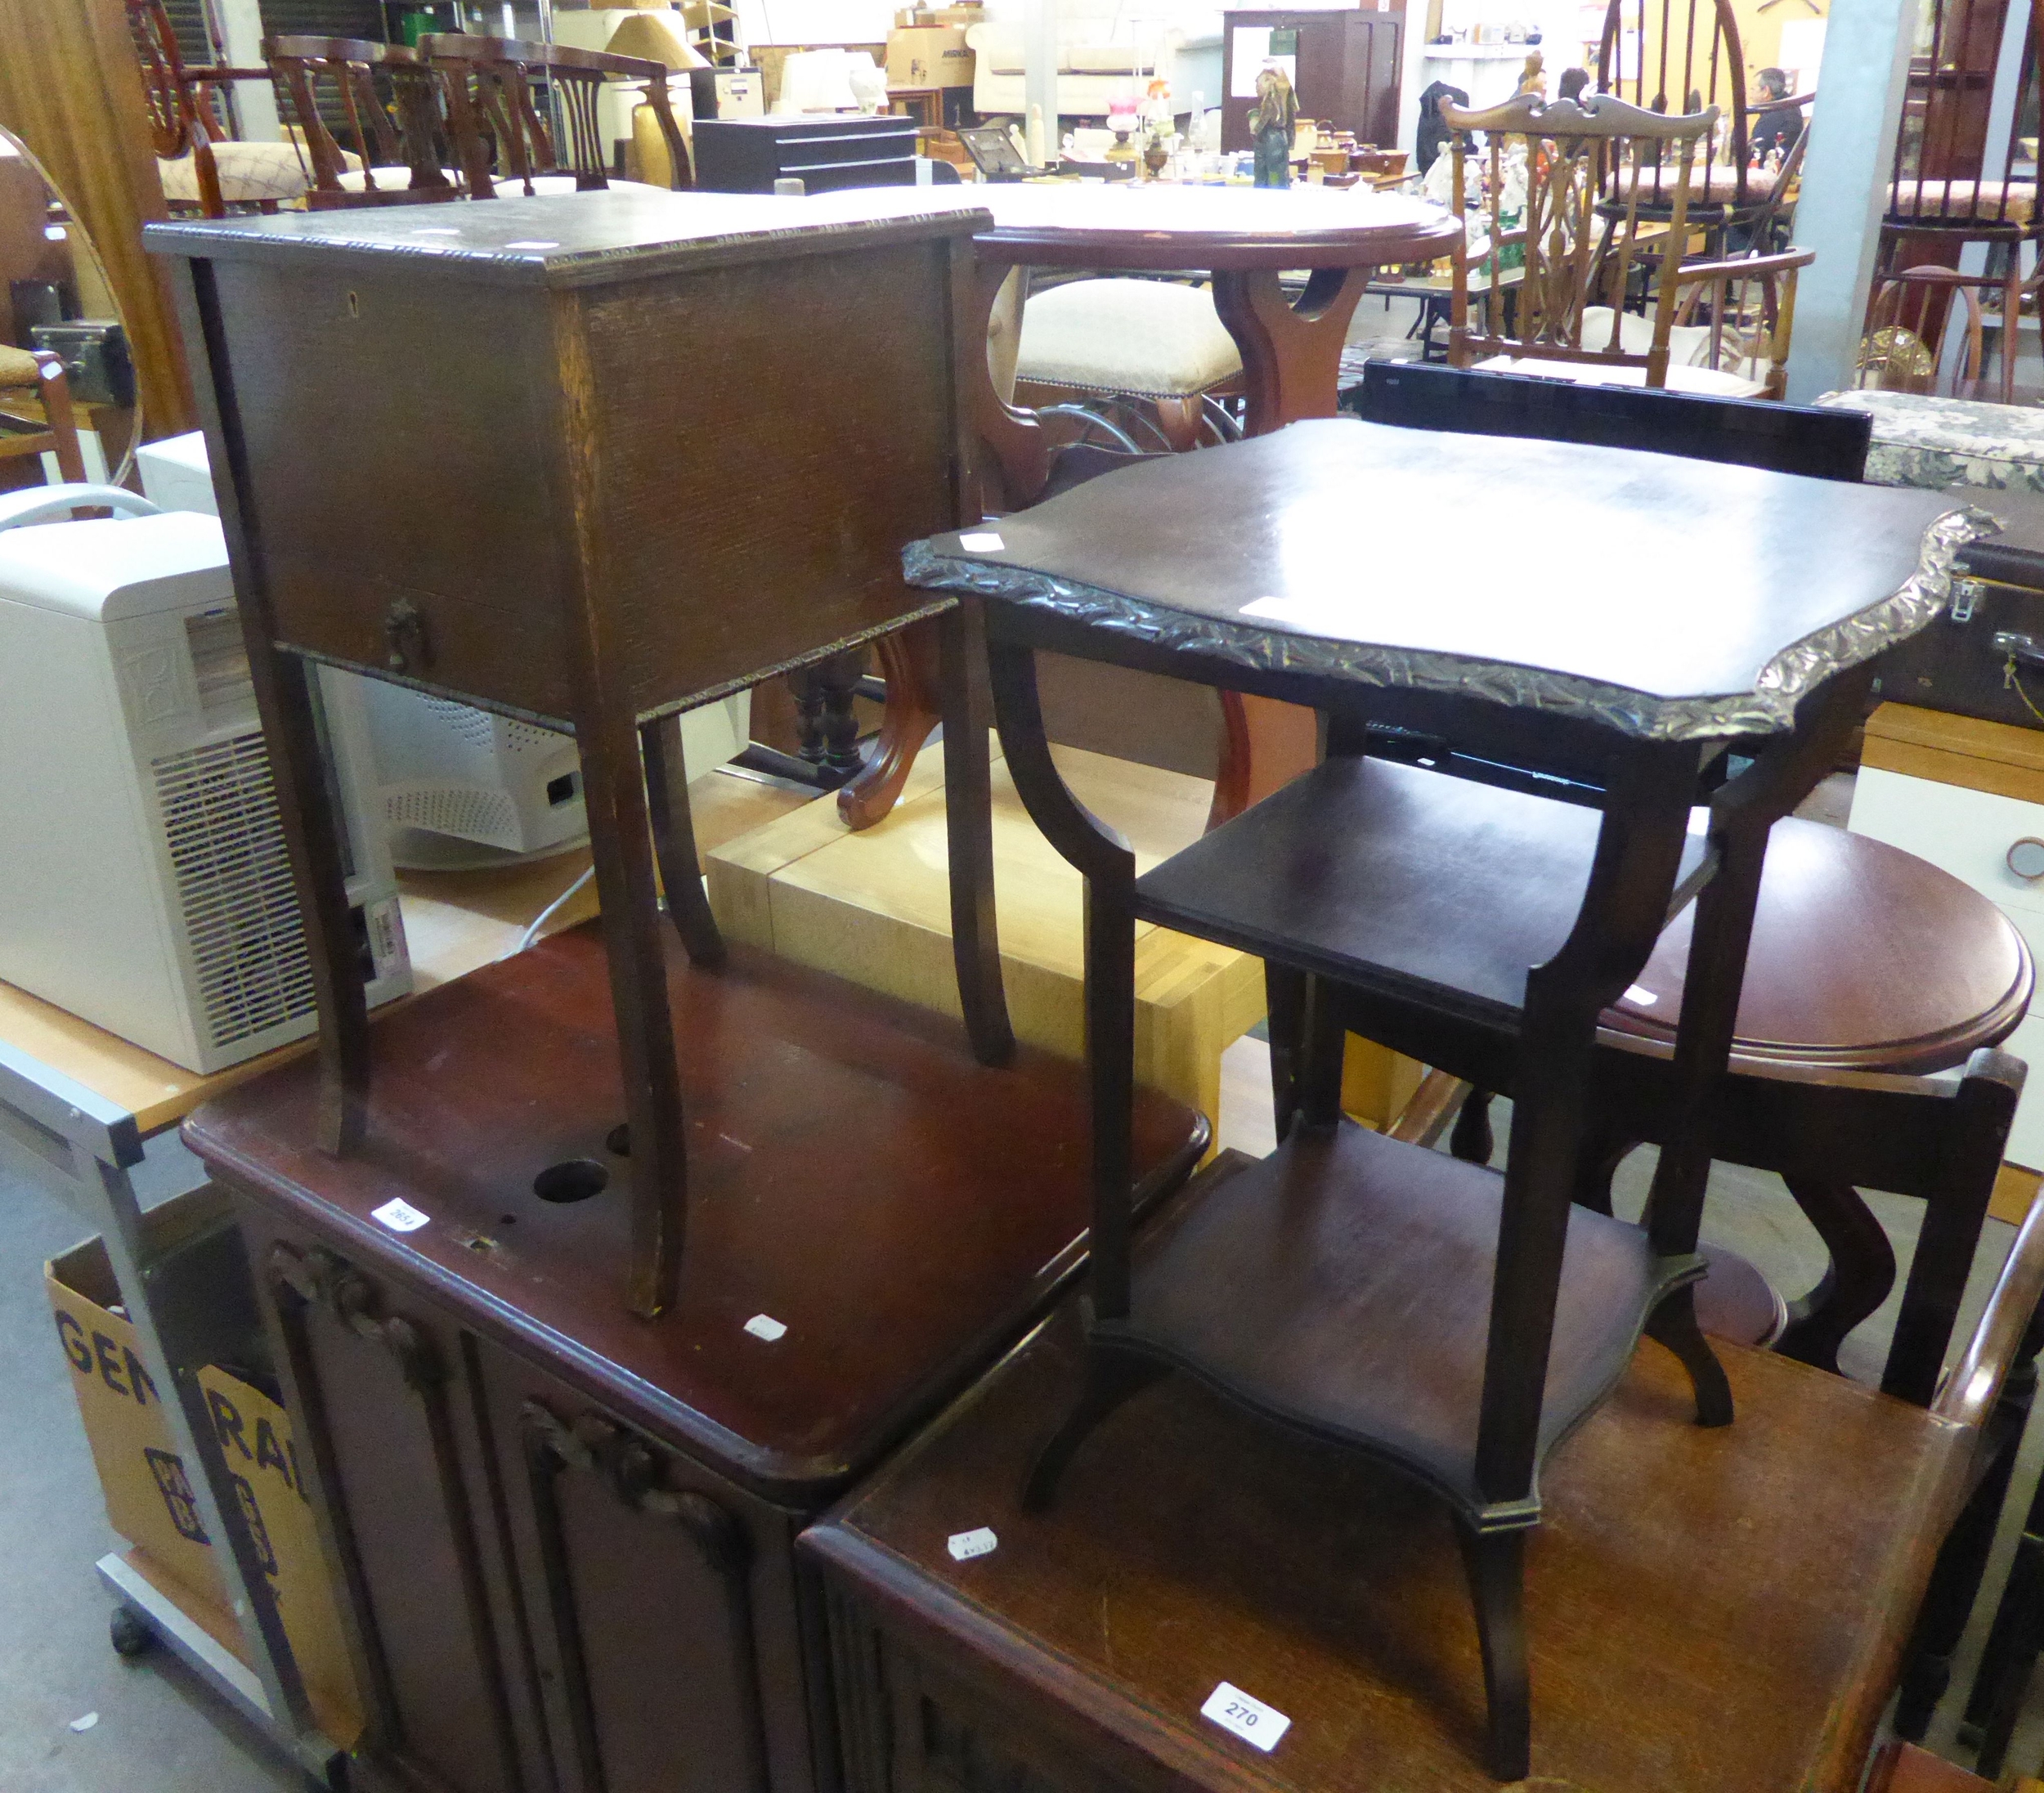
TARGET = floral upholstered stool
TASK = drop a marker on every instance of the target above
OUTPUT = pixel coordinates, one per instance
(1920, 440)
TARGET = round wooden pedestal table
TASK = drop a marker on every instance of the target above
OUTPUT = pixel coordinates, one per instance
(1245, 239)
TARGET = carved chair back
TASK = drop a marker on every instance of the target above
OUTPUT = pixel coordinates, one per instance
(388, 105)
(1563, 187)
(174, 115)
(1677, 57)
(500, 90)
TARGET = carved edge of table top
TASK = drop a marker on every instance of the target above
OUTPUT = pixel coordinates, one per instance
(1768, 708)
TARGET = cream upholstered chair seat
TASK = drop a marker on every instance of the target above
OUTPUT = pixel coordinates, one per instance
(250, 173)
(1150, 339)
(18, 367)
(354, 180)
(1688, 358)
(509, 186)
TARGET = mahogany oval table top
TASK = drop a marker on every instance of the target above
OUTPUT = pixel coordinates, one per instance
(1863, 957)
(1706, 601)
(1143, 225)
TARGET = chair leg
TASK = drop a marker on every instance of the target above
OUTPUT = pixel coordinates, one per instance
(1955, 1583)
(1471, 1141)
(1602, 1156)
(1112, 1378)
(1495, 1563)
(1180, 419)
(2013, 1646)
(1674, 1325)
(1861, 1273)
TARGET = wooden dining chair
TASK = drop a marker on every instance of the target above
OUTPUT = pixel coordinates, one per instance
(1580, 202)
(499, 90)
(390, 109)
(1943, 195)
(36, 376)
(1682, 57)
(204, 167)
(1909, 321)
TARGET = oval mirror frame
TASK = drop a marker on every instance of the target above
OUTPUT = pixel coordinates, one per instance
(89, 282)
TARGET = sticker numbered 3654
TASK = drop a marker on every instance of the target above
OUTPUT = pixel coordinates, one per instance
(1247, 1716)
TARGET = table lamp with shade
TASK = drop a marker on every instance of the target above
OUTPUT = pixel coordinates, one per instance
(656, 36)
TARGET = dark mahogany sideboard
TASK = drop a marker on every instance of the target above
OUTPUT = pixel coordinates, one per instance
(563, 1533)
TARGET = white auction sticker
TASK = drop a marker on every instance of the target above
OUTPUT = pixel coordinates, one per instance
(1640, 996)
(1246, 1715)
(400, 1216)
(965, 1545)
(765, 1326)
(984, 542)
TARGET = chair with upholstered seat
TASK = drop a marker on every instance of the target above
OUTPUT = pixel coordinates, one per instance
(1583, 198)
(203, 167)
(38, 376)
(1944, 194)
(494, 86)
(385, 160)
(1103, 349)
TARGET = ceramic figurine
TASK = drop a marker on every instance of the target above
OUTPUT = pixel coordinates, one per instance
(1272, 125)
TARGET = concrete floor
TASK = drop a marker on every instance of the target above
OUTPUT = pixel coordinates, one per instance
(159, 1730)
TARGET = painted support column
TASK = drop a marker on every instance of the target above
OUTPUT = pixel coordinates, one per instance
(1039, 66)
(1845, 179)
(255, 102)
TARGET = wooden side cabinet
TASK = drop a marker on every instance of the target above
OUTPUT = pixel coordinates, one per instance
(543, 1594)
(1348, 70)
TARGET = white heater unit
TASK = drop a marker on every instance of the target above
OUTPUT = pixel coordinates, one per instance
(456, 787)
(144, 881)
(459, 786)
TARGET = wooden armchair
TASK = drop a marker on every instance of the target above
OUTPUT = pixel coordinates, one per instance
(1578, 198)
(491, 98)
(1908, 319)
(203, 166)
(386, 160)
(38, 376)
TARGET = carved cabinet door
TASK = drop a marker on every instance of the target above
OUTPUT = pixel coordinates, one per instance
(382, 1388)
(663, 1604)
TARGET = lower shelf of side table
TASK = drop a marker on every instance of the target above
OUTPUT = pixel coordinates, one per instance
(1342, 1286)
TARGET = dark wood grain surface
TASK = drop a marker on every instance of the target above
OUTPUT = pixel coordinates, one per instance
(1392, 878)
(1709, 1609)
(1326, 1286)
(854, 1175)
(576, 239)
(1480, 550)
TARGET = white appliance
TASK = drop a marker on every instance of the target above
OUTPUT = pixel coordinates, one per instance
(460, 788)
(457, 787)
(144, 881)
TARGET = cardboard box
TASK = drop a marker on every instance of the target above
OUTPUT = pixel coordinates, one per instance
(934, 56)
(147, 1486)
